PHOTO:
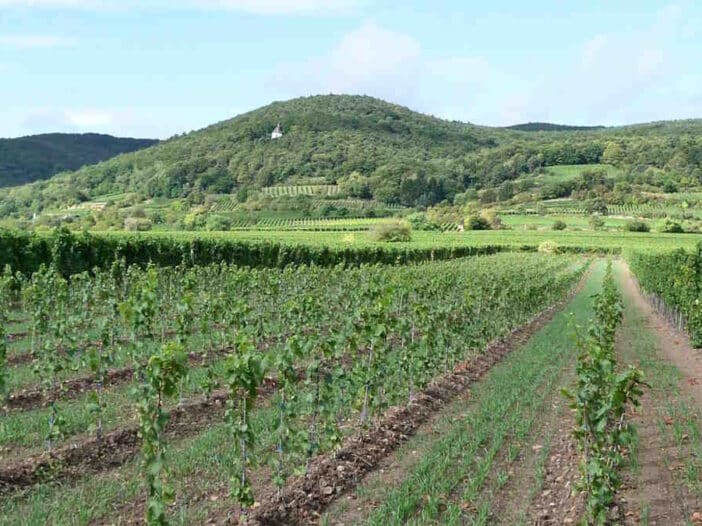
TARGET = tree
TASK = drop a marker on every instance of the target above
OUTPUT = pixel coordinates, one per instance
(613, 153)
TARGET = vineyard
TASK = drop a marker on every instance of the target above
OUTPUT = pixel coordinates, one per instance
(294, 191)
(655, 209)
(228, 204)
(212, 347)
(181, 390)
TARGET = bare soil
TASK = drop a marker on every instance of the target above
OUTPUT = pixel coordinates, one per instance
(90, 455)
(654, 495)
(330, 476)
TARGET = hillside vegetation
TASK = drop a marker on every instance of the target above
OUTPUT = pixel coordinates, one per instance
(370, 149)
(32, 158)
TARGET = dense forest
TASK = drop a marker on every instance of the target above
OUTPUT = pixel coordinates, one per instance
(547, 126)
(370, 149)
(36, 157)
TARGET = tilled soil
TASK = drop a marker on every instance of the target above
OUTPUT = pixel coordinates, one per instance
(303, 499)
(556, 503)
(667, 501)
(75, 460)
(29, 399)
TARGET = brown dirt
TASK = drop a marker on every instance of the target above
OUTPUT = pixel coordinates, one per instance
(654, 487)
(329, 476)
(28, 399)
(668, 502)
(33, 398)
(75, 460)
(674, 345)
(556, 503)
(551, 502)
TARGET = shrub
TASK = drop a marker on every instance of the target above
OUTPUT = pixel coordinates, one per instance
(548, 247)
(419, 221)
(491, 217)
(559, 225)
(218, 223)
(477, 223)
(672, 227)
(394, 231)
(137, 224)
(637, 226)
(596, 222)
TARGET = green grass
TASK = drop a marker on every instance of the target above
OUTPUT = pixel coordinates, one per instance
(420, 239)
(669, 403)
(546, 221)
(455, 462)
(566, 172)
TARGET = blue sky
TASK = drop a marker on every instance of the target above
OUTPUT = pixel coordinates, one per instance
(154, 68)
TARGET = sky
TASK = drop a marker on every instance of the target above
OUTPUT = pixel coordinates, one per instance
(155, 68)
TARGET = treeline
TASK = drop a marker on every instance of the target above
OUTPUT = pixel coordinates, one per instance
(35, 157)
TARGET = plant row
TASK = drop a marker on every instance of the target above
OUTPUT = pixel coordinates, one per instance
(343, 345)
(674, 281)
(73, 253)
(601, 397)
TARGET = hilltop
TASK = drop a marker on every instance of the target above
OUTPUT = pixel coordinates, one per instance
(365, 148)
(35, 157)
(547, 126)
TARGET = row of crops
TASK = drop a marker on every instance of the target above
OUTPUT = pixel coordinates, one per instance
(295, 190)
(653, 209)
(673, 281)
(310, 224)
(327, 349)
(72, 253)
(230, 204)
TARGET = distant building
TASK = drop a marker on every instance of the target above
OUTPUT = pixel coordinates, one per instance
(277, 133)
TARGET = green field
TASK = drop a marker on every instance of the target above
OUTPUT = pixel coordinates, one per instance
(566, 172)
(420, 239)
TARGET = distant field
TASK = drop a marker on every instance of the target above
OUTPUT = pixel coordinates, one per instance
(421, 239)
(566, 172)
(317, 189)
(546, 221)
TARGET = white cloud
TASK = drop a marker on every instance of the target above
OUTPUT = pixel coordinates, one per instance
(263, 7)
(33, 41)
(73, 119)
(89, 118)
(373, 60)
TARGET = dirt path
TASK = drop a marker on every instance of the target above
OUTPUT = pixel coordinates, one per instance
(654, 494)
(673, 344)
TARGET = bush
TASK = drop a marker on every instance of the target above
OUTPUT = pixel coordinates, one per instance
(477, 223)
(637, 226)
(548, 247)
(137, 224)
(218, 223)
(559, 225)
(392, 232)
(419, 221)
(596, 222)
(671, 227)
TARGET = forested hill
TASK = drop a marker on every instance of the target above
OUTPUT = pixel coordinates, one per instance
(35, 157)
(368, 147)
(547, 126)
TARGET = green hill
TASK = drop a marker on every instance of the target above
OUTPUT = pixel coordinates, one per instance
(35, 157)
(547, 126)
(369, 149)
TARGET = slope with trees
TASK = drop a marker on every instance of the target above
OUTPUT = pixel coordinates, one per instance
(27, 159)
